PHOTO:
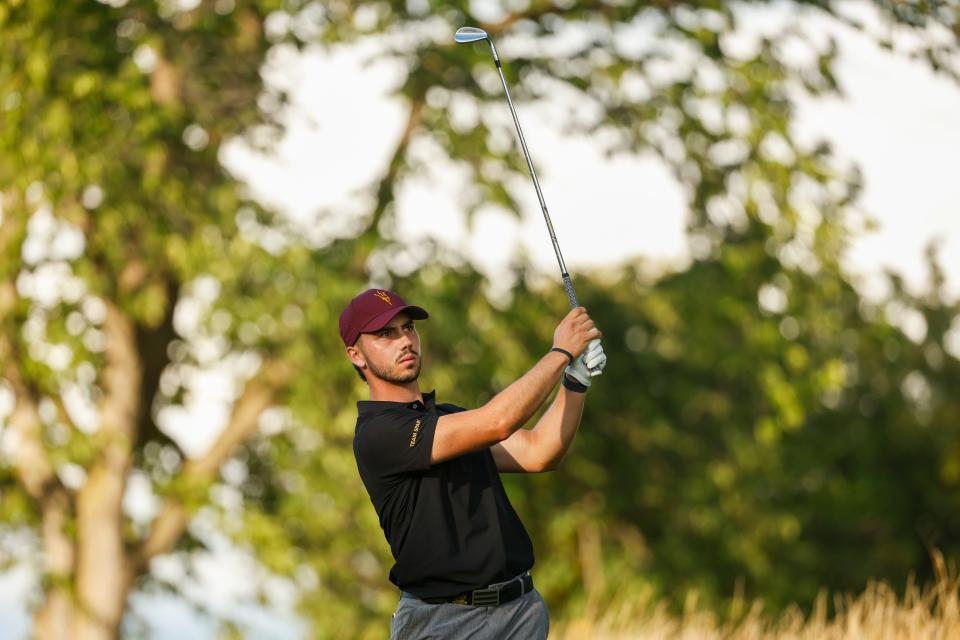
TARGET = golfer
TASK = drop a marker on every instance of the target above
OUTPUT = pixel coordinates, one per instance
(463, 557)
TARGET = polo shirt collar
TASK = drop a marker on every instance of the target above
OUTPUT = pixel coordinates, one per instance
(374, 406)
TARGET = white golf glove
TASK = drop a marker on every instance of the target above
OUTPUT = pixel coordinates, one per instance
(593, 357)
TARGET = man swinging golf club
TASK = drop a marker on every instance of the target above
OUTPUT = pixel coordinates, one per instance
(463, 557)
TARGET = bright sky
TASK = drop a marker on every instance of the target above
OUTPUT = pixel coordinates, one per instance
(898, 121)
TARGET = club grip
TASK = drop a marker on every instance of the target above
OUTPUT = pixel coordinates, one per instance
(572, 297)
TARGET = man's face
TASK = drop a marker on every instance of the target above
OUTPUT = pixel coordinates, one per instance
(392, 353)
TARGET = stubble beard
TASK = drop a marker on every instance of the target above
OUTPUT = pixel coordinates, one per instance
(396, 375)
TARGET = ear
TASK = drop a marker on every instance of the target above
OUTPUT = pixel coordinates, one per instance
(356, 356)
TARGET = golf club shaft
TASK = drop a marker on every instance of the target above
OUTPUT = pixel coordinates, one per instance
(568, 285)
(567, 282)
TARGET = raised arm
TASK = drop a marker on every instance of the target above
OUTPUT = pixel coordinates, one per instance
(510, 409)
(543, 447)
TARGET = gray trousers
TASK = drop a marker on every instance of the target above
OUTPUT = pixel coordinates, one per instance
(526, 618)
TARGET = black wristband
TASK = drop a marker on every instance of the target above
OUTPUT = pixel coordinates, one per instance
(574, 385)
(564, 352)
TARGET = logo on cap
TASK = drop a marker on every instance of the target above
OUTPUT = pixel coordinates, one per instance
(363, 315)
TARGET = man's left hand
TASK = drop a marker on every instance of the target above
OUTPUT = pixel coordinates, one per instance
(592, 358)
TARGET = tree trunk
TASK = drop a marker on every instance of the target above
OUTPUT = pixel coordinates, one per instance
(101, 580)
(102, 577)
(55, 617)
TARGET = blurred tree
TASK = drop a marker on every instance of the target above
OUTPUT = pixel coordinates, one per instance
(113, 205)
(775, 443)
(763, 420)
(751, 449)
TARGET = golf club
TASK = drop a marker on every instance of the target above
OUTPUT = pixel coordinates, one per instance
(473, 34)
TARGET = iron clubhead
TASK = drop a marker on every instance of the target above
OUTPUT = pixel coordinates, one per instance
(469, 34)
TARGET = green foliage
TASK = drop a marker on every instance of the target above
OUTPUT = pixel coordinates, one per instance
(759, 423)
(783, 449)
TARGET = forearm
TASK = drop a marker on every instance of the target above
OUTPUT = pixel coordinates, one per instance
(511, 408)
(555, 430)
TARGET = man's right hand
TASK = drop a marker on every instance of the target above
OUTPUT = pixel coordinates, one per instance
(575, 332)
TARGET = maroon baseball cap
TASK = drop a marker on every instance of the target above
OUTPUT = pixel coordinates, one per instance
(371, 311)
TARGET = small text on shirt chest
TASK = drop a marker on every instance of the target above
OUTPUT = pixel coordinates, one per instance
(416, 432)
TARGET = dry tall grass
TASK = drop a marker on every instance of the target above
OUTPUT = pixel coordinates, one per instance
(931, 612)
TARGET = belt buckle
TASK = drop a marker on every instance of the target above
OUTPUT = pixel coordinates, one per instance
(486, 597)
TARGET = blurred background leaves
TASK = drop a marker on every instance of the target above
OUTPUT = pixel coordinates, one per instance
(761, 426)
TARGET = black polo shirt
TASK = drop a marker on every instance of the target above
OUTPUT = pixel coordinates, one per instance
(450, 526)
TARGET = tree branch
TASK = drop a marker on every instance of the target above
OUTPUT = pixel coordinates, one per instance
(31, 460)
(368, 239)
(31, 463)
(121, 376)
(534, 12)
(258, 395)
(385, 187)
(55, 616)
(153, 344)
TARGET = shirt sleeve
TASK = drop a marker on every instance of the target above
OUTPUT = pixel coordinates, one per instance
(397, 443)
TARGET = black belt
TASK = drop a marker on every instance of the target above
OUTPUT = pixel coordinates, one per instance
(490, 596)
